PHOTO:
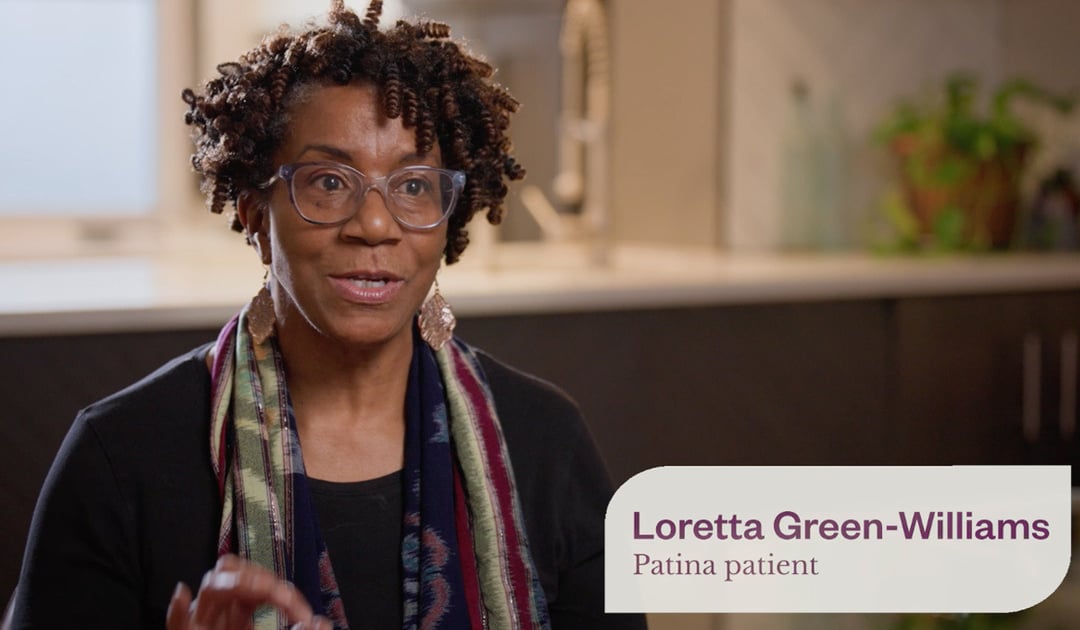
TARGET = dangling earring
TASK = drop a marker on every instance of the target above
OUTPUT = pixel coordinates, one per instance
(437, 320)
(260, 315)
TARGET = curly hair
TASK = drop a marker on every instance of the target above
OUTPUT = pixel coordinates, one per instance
(427, 80)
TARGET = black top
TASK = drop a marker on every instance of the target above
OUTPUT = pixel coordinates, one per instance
(131, 505)
(361, 524)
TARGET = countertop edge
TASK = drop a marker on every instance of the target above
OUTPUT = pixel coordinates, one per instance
(177, 292)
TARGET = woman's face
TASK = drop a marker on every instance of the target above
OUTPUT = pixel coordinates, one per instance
(362, 281)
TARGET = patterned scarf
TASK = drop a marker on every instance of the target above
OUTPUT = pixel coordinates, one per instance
(464, 552)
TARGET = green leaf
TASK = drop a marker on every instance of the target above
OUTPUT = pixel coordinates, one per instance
(948, 229)
(952, 170)
(900, 217)
(985, 146)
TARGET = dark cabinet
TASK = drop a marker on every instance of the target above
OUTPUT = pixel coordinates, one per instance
(1059, 358)
(781, 384)
(958, 380)
(985, 379)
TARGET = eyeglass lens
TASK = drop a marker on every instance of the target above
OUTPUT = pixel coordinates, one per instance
(325, 193)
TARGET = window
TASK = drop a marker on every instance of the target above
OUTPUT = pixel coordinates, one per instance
(80, 107)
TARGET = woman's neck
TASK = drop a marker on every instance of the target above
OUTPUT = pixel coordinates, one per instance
(349, 403)
(361, 384)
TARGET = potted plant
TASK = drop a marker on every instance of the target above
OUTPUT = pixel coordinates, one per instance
(960, 167)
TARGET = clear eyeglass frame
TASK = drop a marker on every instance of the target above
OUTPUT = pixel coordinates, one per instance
(286, 173)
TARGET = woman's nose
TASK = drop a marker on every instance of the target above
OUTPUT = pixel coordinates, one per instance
(372, 222)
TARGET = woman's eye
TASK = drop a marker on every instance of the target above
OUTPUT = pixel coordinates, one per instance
(414, 186)
(330, 182)
(313, 179)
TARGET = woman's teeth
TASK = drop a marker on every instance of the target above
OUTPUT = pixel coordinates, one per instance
(368, 284)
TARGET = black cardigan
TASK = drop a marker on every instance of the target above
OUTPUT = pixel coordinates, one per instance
(130, 506)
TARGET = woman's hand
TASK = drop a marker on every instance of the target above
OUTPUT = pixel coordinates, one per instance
(229, 595)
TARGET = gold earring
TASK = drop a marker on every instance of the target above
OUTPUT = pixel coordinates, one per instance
(260, 315)
(437, 320)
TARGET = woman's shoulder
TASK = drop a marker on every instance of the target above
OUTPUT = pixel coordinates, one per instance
(542, 424)
(130, 504)
(154, 438)
(159, 424)
(522, 394)
(174, 389)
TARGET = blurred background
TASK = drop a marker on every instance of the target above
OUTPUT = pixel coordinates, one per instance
(807, 232)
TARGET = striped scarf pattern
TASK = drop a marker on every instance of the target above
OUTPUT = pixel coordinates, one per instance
(268, 517)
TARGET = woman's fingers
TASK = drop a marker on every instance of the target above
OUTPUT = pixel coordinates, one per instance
(239, 585)
(176, 618)
(231, 592)
(230, 561)
(317, 623)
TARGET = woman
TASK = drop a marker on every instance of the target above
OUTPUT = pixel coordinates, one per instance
(333, 458)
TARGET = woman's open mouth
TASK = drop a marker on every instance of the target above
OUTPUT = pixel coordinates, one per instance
(367, 287)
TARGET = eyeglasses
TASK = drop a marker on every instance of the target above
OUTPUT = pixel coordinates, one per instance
(329, 193)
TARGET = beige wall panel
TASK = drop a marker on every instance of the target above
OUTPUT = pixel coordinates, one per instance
(664, 120)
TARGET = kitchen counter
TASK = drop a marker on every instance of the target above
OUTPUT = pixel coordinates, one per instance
(202, 288)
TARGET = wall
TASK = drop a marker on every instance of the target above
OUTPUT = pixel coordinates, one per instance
(857, 58)
(1039, 40)
(667, 63)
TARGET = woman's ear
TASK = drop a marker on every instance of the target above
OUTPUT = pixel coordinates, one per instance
(253, 212)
